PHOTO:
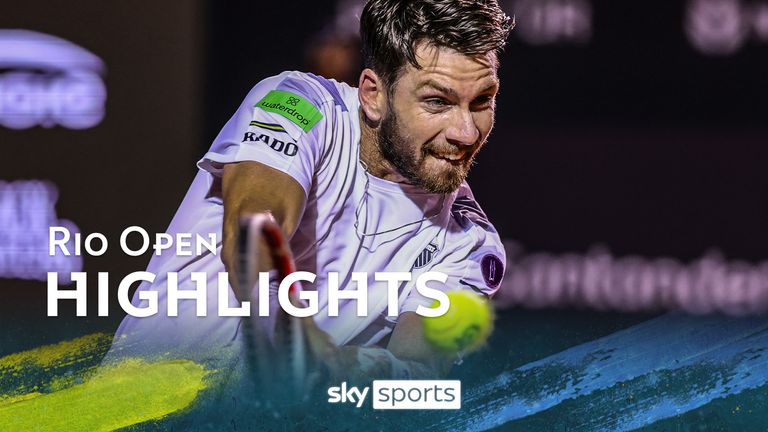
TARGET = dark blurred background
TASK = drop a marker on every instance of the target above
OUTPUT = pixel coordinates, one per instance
(613, 126)
(640, 126)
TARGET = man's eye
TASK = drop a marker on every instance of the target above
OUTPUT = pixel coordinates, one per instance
(437, 102)
(483, 102)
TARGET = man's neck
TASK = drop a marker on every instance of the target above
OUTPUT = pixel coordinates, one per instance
(370, 153)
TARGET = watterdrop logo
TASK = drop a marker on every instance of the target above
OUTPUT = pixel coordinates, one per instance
(48, 81)
(401, 394)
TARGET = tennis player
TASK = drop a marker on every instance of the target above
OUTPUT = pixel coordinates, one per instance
(367, 179)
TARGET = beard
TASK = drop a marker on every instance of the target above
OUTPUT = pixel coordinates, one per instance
(395, 149)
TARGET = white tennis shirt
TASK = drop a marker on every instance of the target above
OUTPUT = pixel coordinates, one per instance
(308, 127)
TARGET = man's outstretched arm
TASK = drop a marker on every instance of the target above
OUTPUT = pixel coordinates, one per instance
(252, 187)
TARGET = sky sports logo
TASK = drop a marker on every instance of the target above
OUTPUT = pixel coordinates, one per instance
(401, 394)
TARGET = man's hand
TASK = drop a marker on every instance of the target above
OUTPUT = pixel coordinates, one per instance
(410, 357)
(409, 343)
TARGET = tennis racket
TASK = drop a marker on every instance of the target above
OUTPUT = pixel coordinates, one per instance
(276, 361)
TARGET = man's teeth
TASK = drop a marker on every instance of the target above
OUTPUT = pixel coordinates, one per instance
(450, 157)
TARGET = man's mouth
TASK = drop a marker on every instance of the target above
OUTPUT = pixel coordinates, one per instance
(452, 158)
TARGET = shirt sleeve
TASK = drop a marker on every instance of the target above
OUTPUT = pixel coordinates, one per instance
(278, 124)
(475, 261)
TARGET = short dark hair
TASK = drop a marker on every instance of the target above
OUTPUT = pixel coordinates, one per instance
(391, 29)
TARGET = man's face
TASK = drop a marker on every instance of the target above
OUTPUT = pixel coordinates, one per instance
(439, 116)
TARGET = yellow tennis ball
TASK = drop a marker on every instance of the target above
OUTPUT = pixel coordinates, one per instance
(466, 325)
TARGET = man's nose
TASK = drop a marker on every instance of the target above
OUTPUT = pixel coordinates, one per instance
(463, 130)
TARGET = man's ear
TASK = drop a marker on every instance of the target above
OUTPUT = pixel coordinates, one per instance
(372, 95)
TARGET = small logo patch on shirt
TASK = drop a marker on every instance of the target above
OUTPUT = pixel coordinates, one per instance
(425, 257)
(268, 126)
(493, 270)
(281, 146)
(293, 107)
